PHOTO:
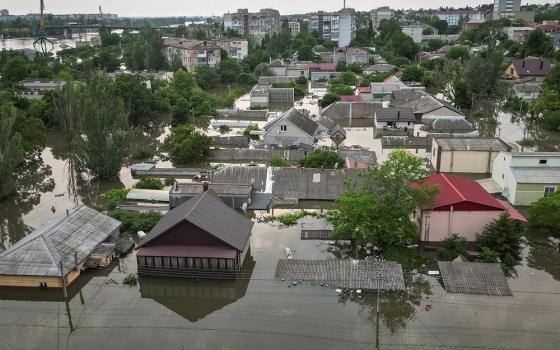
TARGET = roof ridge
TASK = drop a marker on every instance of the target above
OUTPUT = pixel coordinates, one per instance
(453, 186)
(52, 251)
(195, 204)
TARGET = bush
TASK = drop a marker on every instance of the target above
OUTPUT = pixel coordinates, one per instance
(301, 80)
(224, 129)
(545, 214)
(187, 145)
(322, 159)
(292, 218)
(328, 99)
(149, 183)
(453, 246)
(133, 221)
(130, 280)
(277, 161)
(169, 181)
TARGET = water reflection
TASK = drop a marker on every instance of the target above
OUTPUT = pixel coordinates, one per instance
(395, 308)
(195, 300)
(32, 180)
(544, 254)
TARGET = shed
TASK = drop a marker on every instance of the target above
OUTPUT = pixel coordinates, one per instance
(474, 278)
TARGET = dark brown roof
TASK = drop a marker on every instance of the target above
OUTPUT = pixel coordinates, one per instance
(393, 114)
(207, 211)
(531, 66)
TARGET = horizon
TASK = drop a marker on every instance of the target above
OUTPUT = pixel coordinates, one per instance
(178, 8)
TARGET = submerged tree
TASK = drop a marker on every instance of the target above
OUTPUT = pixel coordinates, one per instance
(11, 150)
(187, 145)
(102, 142)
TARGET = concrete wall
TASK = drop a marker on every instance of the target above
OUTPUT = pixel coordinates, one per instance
(479, 162)
(502, 174)
(438, 225)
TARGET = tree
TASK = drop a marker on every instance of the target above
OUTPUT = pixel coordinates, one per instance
(320, 158)
(537, 44)
(412, 73)
(458, 53)
(102, 140)
(402, 45)
(187, 145)
(230, 70)
(545, 213)
(144, 108)
(277, 161)
(482, 73)
(328, 99)
(378, 210)
(224, 129)
(434, 44)
(206, 77)
(149, 183)
(11, 150)
(552, 80)
(503, 236)
(247, 79)
(452, 247)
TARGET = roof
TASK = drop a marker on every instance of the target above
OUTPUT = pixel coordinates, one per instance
(183, 43)
(276, 63)
(354, 110)
(528, 87)
(449, 123)
(394, 114)
(379, 67)
(298, 119)
(474, 278)
(322, 67)
(531, 66)
(536, 175)
(351, 98)
(40, 253)
(364, 89)
(207, 211)
(148, 195)
(472, 144)
(454, 190)
(221, 189)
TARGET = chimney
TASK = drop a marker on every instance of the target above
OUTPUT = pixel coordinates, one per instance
(398, 114)
(205, 186)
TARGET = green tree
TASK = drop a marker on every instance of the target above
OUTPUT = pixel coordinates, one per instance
(320, 158)
(537, 44)
(230, 70)
(149, 183)
(503, 236)
(545, 214)
(378, 210)
(206, 77)
(102, 141)
(412, 73)
(143, 106)
(552, 80)
(482, 73)
(458, 53)
(247, 79)
(187, 145)
(11, 150)
(328, 99)
(452, 247)
(434, 44)
(277, 161)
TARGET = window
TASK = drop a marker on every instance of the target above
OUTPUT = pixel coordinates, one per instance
(543, 161)
(283, 128)
(548, 190)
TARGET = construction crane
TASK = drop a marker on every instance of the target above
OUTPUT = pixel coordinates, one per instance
(101, 13)
(42, 42)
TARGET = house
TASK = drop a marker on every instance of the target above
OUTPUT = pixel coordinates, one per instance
(266, 96)
(277, 67)
(526, 177)
(191, 53)
(202, 237)
(350, 110)
(461, 207)
(236, 48)
(423, 103)
(517, 34)
(530, 67)
(351, 98)
(379, 68)
(36, 88)
(54, 254)
(291, 129)
(321, 71)
(470, 24)
(234, 195)
(466, 155)
(449, 126)
(394, 118)
(391, 84)
(527, 91)
(351, 55)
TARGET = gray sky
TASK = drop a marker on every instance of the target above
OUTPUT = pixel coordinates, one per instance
(218, 7)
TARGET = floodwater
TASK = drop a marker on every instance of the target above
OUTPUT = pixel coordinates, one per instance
(58, 43)
(257, 311)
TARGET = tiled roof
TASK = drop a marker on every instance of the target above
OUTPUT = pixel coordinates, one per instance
(351, 98)
(394, 114)
(531, 66)
(207, 211)
(300, 120)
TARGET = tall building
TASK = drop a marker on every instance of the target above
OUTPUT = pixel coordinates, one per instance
(453, 18)
(191, 53)
(254, 25)
(339, 27)
(379, 14)
(295, 27)
(502, 7)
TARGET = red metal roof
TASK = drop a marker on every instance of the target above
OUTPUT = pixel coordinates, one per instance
(322, 67)
(513, 213)
(364, 89)
(463, 194)
(353, 98)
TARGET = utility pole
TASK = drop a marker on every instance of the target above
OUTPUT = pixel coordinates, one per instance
(378, 276)
(63, 279)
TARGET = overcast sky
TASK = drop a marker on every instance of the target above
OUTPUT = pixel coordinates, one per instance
(154, 8)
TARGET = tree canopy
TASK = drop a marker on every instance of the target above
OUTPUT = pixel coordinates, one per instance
(187, 145)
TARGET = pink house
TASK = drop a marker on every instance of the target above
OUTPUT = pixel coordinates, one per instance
(461, 206)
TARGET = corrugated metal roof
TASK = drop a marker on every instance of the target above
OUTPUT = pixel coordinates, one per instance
(148, 195)
(473, 144)
(534, 175)
(207, 211)
(474, 278)
(39, 254)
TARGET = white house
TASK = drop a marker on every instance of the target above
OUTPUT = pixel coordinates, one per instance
(526, 177)
(291, 129)
(527, 91)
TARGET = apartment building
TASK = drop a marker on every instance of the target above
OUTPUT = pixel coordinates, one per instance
(414, 31)
(295, 28)
(191, 53)
(503, 7)
(235, 47)
(453, 18)
(339, 27)
(255, 25)
(379, 14)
